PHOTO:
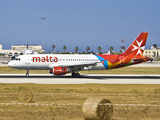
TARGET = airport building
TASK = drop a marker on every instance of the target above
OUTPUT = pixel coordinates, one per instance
(154, 52)
(17, 49)
(23, 47)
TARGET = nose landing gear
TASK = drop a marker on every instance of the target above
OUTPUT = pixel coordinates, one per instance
(27, 74)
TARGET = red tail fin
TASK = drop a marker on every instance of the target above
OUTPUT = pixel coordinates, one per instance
(137, 46)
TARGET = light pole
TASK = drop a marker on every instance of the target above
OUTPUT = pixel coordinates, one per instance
(43, 18)
(122, 44)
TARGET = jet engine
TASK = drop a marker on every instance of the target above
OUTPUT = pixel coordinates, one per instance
(58, 70)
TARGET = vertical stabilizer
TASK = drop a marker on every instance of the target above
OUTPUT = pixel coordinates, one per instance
(137, 46)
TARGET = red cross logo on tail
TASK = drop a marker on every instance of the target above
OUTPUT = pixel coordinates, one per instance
(140, 48)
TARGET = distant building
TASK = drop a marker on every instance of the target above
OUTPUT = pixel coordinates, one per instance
(7, 51)
(17, 49)
(23, 47)
(154, 52)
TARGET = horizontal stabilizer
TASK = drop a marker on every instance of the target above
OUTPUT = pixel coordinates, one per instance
(140, 59)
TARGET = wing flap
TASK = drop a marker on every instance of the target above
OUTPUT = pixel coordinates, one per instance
(82, 64)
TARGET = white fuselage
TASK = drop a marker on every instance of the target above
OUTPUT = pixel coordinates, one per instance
(48, 61)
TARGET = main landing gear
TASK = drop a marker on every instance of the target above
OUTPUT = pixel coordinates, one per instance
(75, 74)
(27, 74)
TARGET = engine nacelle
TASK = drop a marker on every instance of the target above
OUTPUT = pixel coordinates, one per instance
(58, 70)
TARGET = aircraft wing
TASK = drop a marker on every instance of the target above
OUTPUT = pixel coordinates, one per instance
(80, 64)
(37, 50)
(75, 65)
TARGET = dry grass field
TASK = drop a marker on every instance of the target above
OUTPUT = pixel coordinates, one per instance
(64, 102)
(53, 102)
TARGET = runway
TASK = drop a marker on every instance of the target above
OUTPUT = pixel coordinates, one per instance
(84, 79)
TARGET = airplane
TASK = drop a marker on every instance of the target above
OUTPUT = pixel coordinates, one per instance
(23, 52)
(61, 64)
(26, 51)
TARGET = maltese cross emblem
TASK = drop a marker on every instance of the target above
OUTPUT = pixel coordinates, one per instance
(139, 47)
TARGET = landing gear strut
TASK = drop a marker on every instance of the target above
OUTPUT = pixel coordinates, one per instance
(75, 74)
(27, 74)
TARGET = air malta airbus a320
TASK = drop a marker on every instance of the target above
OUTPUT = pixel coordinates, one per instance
(60, 64)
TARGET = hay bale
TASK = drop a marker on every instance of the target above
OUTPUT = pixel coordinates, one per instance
(25, 95)
(95, 108)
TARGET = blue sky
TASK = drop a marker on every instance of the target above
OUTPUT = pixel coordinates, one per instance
(78, 23)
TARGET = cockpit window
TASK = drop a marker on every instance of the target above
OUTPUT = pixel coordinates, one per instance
(18, 59)
(13, 58)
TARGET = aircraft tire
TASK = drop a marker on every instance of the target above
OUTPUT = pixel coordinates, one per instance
(77, 75)
(74, 74)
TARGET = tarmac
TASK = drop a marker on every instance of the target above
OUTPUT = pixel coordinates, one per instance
(85, 78)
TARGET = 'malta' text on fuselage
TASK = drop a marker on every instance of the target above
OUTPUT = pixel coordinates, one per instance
(45, 59)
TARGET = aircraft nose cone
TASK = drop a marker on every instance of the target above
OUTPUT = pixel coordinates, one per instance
(10, 64)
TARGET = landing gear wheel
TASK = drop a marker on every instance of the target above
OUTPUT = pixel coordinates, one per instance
(75, 74)
(27, 74)
(78, 75)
